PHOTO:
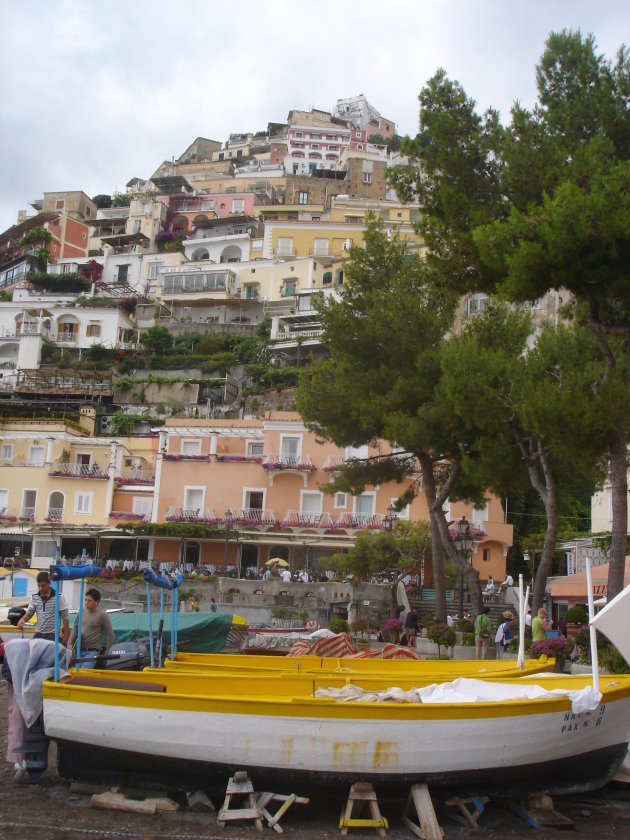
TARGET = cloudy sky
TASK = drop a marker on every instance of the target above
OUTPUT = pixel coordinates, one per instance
(93, 94)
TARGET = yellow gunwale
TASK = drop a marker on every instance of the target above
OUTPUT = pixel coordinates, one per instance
(613, 688)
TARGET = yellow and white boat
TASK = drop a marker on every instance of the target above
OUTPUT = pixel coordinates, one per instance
(540, 733)
(443, 669)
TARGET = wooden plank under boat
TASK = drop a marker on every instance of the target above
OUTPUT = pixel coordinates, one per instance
(445, 669)
(200, 730)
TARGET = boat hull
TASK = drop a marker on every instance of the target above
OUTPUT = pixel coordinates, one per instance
(509, 747)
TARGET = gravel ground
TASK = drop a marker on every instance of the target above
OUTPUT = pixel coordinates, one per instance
(50, 811)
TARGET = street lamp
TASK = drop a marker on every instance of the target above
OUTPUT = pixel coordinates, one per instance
(227, 521)
(464, 542)
(390, 519)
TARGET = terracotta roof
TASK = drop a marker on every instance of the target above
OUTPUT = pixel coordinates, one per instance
(574, 586)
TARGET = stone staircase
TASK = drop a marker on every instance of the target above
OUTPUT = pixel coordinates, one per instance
(425, 606)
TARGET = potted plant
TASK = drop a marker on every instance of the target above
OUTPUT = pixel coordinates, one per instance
(393, 627)
(339, 625)
(558, 648)
(575, 618)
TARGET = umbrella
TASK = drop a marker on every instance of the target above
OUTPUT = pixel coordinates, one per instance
(277, 560)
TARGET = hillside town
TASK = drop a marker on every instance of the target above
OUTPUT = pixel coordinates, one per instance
(120, 404)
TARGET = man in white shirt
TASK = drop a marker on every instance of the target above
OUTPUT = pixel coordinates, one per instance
(285, 574)
(509, 581)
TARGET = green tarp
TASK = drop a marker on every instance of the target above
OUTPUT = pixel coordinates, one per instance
(199, 632)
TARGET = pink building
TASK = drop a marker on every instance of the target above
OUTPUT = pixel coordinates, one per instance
(256, 485)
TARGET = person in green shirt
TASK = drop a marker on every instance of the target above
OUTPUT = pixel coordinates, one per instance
(483, 628)
(540, 625)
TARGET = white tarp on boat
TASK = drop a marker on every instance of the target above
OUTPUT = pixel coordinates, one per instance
(466, 690)
(614, 622)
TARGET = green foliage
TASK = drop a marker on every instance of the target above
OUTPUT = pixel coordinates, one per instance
(102, 201)
(576, 615)
(121, 200)
(36, 236)
(100, 353)
(374, 552)
(393, 143)
(339, 625)
(157, 340)
(171, 529)
(59, 283)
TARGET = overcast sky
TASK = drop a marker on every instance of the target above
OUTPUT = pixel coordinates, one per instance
(93, 94)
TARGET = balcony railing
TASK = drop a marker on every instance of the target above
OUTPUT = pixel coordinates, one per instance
(300, 519)
(334, 462)
(183, 456)
(136, 476)
(27, 514)
(202, 516)
(359, 521)
(234, 458)
(7, 514)
(65, 470)
(129, 516)
(280, 461)
(68, 338)
(253, 517)
(54, 515)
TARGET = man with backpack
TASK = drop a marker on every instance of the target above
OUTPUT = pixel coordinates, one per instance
(504, 636)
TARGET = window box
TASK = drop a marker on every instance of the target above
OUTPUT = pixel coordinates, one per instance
(252, 459)
(183, 457)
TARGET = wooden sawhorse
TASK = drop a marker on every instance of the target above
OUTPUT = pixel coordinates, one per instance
(362, 792)
(239, 785)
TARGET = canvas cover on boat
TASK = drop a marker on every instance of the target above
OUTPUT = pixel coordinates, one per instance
(202, 632)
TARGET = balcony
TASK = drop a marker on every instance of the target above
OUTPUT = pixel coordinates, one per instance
(300, 519)
(7, 515)
(65, 470)
(297, 463)
(360, 521)
(128, 516)
(199, 516)
(136, 476)
(253, 517)
(27, 514)
(54, 515)
(233, 458)
(333, 463)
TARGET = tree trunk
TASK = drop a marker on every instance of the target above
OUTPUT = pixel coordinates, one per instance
(619, 485)
(437, 550)
(437, 513)
(536, 456)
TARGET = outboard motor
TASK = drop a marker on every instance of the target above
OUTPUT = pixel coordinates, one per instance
(129, 656)
(15, 614)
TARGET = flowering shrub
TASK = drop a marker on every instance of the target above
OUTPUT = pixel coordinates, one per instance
(394, 624)
(559, 648)
(441, 634)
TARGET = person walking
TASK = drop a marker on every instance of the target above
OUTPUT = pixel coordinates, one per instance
(42, 604)
(504, 635)
(97, 634)
(482, 633)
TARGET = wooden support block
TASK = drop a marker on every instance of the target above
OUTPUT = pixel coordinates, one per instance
(419, 800)
(163, 804)
(117, 802)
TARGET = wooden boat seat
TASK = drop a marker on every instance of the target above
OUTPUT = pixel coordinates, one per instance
(104, 682)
